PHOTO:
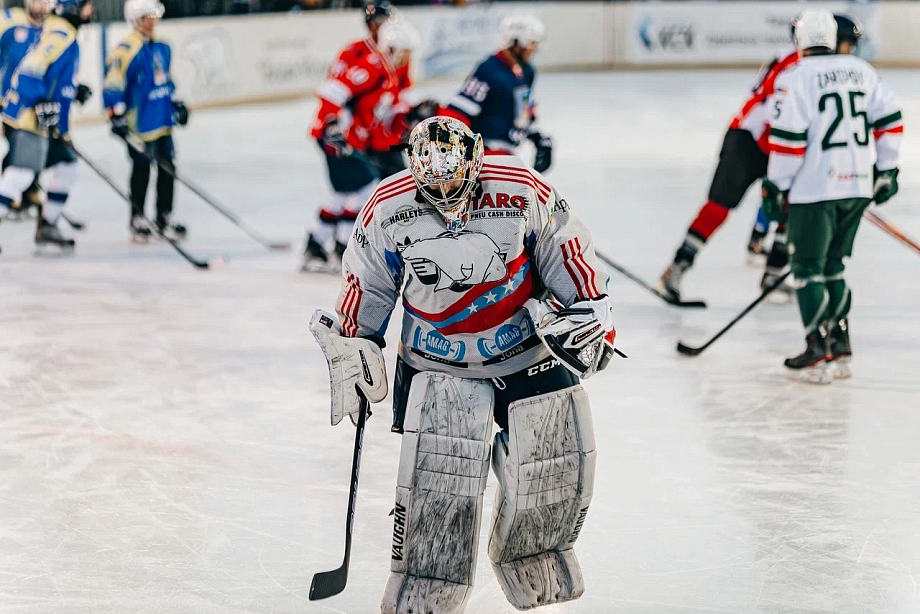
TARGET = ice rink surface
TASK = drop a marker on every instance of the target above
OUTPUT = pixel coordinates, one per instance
(164, 434)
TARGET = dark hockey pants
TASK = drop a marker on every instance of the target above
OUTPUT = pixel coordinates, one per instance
(820, 236)
(163, 151)
(543, 377)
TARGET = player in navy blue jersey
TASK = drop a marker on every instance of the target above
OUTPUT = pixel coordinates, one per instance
(496, 101)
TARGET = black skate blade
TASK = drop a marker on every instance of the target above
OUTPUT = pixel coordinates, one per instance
(686, 350)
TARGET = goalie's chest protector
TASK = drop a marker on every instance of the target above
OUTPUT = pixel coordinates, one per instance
(464, 292)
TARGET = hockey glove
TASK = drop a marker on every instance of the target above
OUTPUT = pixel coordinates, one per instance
(885, 186)
(421, 112)
(119, 125)
(354, 364)
(180, 113)
(47, 114)
(581, 337)
(333, 141)
(544, 157)
(775, 201)
(84, 93)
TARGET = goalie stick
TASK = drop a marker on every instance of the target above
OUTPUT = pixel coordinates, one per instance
(686, 350)
(329, 583)
(666, 299)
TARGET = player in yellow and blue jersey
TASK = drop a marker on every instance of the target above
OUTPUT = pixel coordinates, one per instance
(139, 97)
(36, 113)
(20, 29)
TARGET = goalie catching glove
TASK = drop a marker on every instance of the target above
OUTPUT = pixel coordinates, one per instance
(355, 364)
(581, 337)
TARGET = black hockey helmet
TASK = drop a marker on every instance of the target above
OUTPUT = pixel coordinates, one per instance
(378, 10)
(848, 29)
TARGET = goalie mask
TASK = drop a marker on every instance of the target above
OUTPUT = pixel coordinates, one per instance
(445, 158)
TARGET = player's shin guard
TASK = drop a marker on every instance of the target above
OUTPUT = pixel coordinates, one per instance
(13, 182)
(63, 176)
(443, 467)
(711, 216)
(545, 465)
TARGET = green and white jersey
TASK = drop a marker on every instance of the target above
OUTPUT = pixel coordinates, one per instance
(833, 119)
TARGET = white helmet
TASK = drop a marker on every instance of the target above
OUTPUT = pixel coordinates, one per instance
(396, 35)
(443, 150)
(135, 10)
(521, 29)
(816, 28)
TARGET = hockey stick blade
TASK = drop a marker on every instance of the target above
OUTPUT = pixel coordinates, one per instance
(329, 583)
(682, 304)
(641, 282)
(76, 225)
(686, 350)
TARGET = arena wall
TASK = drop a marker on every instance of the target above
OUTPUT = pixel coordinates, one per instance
(249, 58)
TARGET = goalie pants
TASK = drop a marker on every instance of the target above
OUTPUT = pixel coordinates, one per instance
(547, 375)
(821, 235)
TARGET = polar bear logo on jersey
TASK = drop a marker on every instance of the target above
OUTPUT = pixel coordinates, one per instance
(455, 261)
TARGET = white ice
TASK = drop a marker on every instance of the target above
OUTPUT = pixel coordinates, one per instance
(164, 435)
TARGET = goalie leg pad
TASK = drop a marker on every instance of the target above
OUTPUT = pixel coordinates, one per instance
(545, 466)
(443, 468)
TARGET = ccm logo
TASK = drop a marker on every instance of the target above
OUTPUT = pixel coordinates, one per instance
(546, 366)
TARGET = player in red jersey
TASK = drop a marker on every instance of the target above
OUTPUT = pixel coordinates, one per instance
(742, 161)
(355, 127)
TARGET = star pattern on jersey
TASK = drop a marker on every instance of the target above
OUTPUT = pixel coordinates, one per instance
(496, 294)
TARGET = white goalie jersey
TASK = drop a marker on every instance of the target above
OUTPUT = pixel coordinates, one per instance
(463, 293)
(831, 112)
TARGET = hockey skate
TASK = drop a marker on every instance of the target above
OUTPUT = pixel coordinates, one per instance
(50, 242)
(140, 231)
(784, 294)
(668, 285)
(838, 341)
(317, 260)
(814, 365)
(171, 230)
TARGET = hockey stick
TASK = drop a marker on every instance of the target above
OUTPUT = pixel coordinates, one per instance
(328, 583)
(170, 169)
(686, 350)
(201, 264)
(669, 301)
(887, 227)
(73, 223)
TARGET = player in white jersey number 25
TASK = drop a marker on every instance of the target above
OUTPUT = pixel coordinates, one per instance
(821, 175)
(505, 309)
